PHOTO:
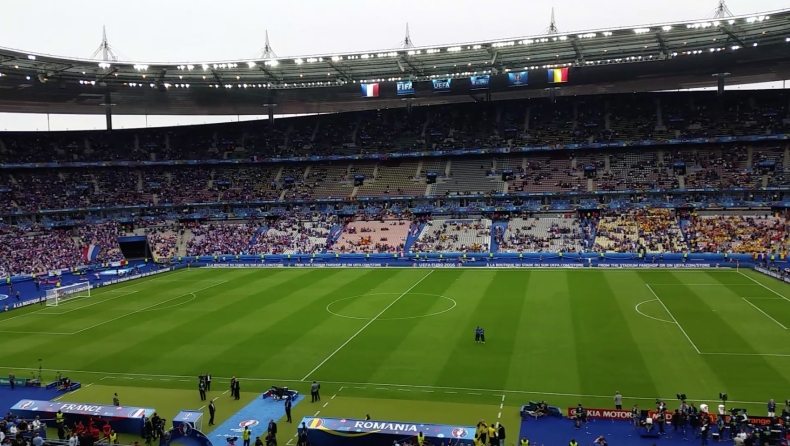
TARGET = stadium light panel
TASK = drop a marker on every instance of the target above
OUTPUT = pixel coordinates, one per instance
(141, 67)
(205, 67)
(298, 61)
(735, 47)
(190, 67)
(453, 49)
(667, 28)
(607, 33)
(104, 65)
(31, 57)
(251, 64)
(731, 22)
(27, 77)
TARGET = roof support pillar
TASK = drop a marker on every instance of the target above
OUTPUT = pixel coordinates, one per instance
(108, 110)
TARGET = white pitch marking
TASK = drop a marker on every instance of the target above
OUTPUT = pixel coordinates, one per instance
(134, 282)
(366, 325)
(471, 393)
(779, 355)
(146, 308)
(325, 404)
(333, 397)
(636, 307)
(202, 407)
(427, 391)
(226, 391)
(88, 385)
(316, 414)
(675, 320)
(764, 286)
(500, 415)
(763, 312)
(95, 303)
(447, 389)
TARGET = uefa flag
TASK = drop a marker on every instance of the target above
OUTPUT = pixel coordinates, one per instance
(558, 75)
(90, 253)
(370, 90)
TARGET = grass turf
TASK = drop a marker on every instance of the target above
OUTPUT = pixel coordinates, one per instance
(398, 343)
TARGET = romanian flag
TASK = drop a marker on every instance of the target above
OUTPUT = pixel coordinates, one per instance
(558, 75)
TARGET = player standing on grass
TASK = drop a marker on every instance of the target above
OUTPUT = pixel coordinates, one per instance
(482, 335)
(477, 334)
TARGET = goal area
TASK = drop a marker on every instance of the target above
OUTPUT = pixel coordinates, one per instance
(59, 295)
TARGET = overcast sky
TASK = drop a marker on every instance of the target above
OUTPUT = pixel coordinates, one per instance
(202, 30)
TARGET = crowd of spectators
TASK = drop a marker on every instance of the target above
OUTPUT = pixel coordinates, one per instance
(295, 234)
(455, 235)
(37, 250)
(105, 237)
(736, 233)
(217, 239)
(645, 230)
(163, 240)
(567, 120)
(540, 235)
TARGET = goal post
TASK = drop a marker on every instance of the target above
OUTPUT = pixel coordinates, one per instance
(59, 295)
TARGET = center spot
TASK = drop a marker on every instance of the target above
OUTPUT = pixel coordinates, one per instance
(368, 306)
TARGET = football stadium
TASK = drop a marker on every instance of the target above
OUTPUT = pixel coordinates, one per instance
(567, 238)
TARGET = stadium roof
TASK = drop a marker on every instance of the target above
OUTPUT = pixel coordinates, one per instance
(749, 49)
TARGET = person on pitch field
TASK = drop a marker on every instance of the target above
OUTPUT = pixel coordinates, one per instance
(492, 436)
(211, 411)
(477, 334)
(288, 409)
(208, 382)
(202, 390)
(524, 441)
(482, 335)
(272, 430)
(315, 387)
(618, 400)
(245, 435)
(115, 401)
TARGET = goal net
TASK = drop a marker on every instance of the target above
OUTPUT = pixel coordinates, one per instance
(57, 296)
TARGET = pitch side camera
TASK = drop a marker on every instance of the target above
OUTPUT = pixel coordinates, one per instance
(723, 397)
(681, 396)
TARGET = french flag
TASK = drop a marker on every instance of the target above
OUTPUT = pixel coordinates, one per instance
(90, 253)
(370, 90)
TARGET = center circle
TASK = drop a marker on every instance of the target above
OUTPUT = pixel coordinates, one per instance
(329, 309)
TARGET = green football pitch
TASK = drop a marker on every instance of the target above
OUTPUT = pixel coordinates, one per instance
(399, 343)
